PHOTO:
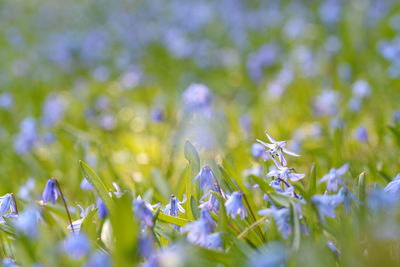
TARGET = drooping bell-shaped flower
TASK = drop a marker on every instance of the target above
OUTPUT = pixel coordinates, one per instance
(50, 192)
(144, 211)
(174, 206)
(281, 217)
(206, 177)
(234, 205)
(102, 210)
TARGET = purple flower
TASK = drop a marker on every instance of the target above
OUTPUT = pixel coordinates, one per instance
(258, 151)
(207, 178)
(146, 247)
(27, 222)
(50, 192)
(361, 134)
(285, 174)
(333, 248)
(7, 204)
(212, 203)
(234, 205)
(197, 232)
(85, 185)
(157, 115)
(394, 186)
(277, 148)
(174, 205)
(53, 110)
(197, 97)
(6, 101)
(77, 245)
(396, 116)
(214, 241)
(326, 104)
(102, 210)
(361, 89)
(143, 210)
(270, 255)
(266, 56)
(281, 217)
(326, 205)
(27, 137)
(99, 259)
(333, 178)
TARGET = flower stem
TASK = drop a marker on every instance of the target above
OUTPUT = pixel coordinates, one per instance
(65, 204)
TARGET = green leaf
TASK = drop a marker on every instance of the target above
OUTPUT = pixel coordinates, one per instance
(195, 208)
(294, 218)
(192, 156)
(98, 184)
(362, 195)
(88, 225)
(193, 167)
(312, 186)
(170, 219)
(161, 183)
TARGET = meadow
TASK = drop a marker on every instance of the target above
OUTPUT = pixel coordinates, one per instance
(200, 133)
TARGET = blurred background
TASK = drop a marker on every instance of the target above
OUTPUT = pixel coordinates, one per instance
(123, 84)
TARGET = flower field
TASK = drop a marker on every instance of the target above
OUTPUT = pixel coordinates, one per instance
(200, 133)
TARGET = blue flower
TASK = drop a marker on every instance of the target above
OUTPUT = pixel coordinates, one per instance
(99, 259)
(143, 210)
(394, 186)
(27, 222)
(214, 241)
(157, 115)
(326, 104)
(333, 248)
(207, 178)
(26, 139)
(175, 205)
(8, 262)
(285, 174)
(258, 151)
(77, 245)
(197, 97)
(85, 185)
(53, 110)
(6, 101)
(281, 217)
(50, 192)
(102, 210)
(333, 178)
(212, 203)
(197, 232)
(5, 204)
(361, 89)
(234, 205)
(146, 247)
(277, 148)
(396, 117)
(326, 205)
(270, 255)
(361, 134)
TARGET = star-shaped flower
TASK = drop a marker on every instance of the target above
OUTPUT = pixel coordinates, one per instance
(277, 148)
